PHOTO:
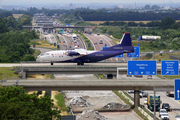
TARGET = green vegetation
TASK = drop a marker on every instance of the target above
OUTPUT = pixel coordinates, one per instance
(160, 76)
(16, 24)
(14, 46)
(128, 96)
(123, 98)
(101, 76)
(171, 76)
(87, 42)
(15, 103)
(7, 73)
(60, 101)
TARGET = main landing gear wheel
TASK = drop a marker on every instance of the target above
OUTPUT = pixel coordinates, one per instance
(51, 63)
(80, 63)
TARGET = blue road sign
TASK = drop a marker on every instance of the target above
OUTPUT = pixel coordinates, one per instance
(142, 67)
(118, 56)
(170, 67)
(135, 54)
(177, 89)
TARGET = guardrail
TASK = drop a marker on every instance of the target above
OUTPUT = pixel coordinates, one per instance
(65, 67)
(83, 42)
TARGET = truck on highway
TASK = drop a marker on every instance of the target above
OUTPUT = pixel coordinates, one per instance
(170, 93)
(150, 102)
(61, 31)
(148, 38)
(74, 37)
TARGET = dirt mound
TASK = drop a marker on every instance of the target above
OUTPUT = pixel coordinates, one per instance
(79, 101)
(115, 106)
(90, 114)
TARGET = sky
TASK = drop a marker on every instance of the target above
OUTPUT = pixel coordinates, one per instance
(20, 2)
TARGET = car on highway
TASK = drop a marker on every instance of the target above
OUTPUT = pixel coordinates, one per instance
(162, 111)
(52, 36)
(100, 41)
(95, 42)
(98, 34)
(149, 77)
(129, 75)
(143, 94)
(138, 76)
(161, 51)
(166, 106)
(177, 117)
(145, 101)
(130, 91)
(165, 116)
(171, 51)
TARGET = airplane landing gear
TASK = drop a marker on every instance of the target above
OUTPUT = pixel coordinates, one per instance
(51, 63)
(80, 63)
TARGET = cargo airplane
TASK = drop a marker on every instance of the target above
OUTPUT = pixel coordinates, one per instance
(81, 56)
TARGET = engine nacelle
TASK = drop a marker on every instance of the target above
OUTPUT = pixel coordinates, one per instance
(72, 53)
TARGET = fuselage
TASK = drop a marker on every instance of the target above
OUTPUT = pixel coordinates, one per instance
(85, 56)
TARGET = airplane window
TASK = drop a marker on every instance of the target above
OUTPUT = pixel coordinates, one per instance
(47, 54)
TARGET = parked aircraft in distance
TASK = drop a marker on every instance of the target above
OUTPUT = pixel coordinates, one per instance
(81, 56)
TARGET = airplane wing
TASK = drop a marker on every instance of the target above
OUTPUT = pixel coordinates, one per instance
(76, 53)
(82, 53)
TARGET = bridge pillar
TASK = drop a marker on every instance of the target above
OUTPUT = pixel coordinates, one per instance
(24, 75)
(50, 93)
(109, 76)
(136, 98)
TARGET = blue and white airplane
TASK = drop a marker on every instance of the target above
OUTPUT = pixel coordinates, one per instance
(81, 56)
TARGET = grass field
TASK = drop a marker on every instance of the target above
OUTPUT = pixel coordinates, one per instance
(164, 56)
(44, 44)
(7, 73)
(17, 15)
(98, 22)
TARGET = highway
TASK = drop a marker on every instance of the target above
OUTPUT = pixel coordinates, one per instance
(175, 105)
(50, 38)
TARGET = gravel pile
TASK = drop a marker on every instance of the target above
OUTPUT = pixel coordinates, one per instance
(90, 114)
(79, 101)
(115, 106)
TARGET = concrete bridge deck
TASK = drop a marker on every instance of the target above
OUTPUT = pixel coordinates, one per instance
(98, 84)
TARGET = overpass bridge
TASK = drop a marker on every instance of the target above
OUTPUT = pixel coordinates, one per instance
(86, 69)
(97, 84)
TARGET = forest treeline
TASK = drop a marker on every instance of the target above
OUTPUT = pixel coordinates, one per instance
(103, 14)
(15, 42)
(163, 24)
(17, 104)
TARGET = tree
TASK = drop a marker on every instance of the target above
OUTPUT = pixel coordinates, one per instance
(166, 23)
(147, 7)
(3, 27)
(29, 58)
(155, 7)
(15, 103)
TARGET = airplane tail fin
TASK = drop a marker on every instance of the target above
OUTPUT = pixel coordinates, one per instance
(126, 40)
